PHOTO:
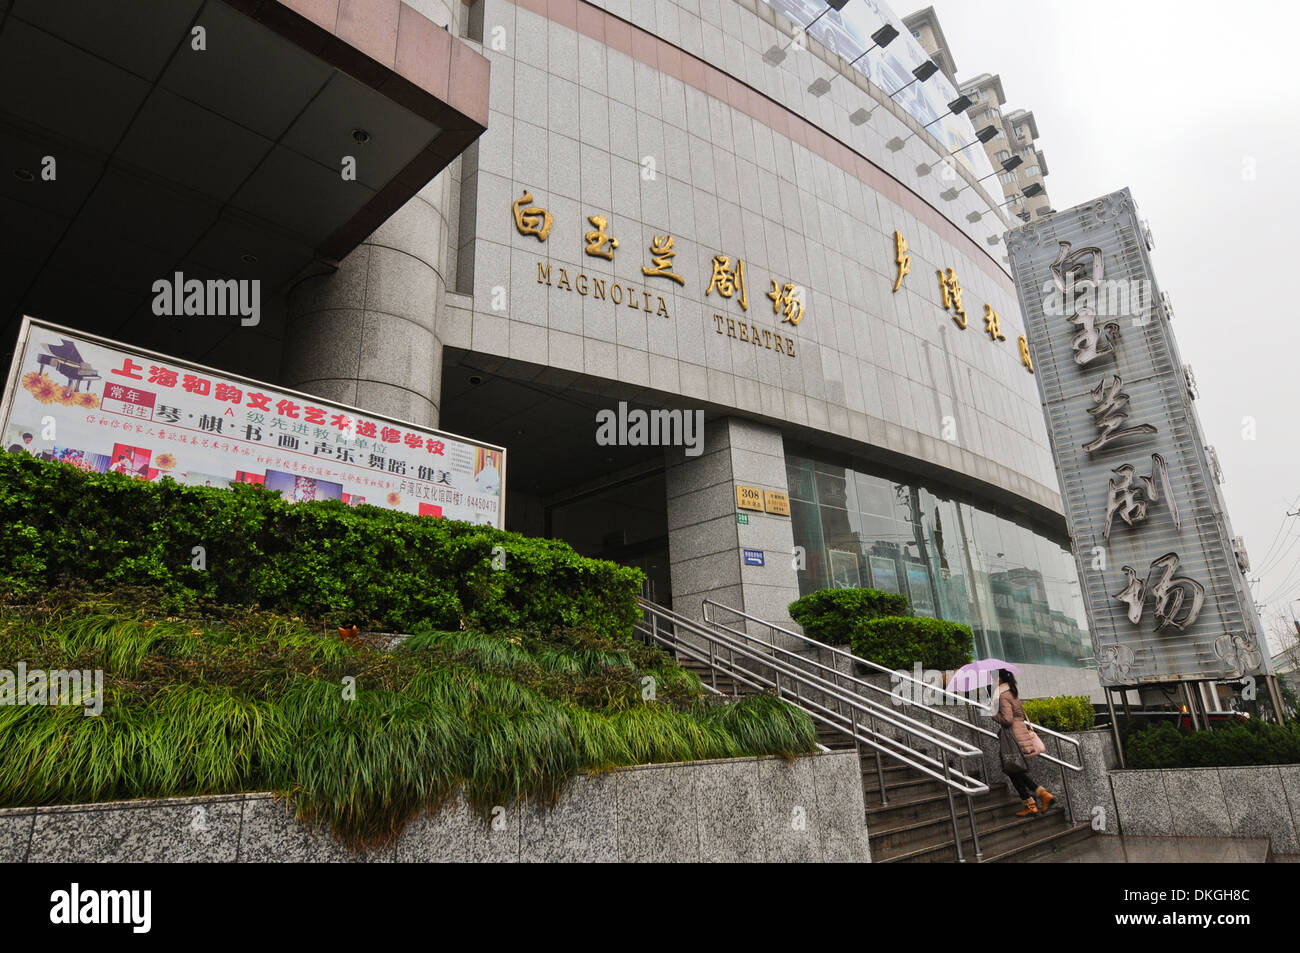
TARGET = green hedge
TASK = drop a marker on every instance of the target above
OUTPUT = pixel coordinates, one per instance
(832, 615)
(898, 642)
(391, 570)
(1061, 712)
(1253, 742)
(879, 627)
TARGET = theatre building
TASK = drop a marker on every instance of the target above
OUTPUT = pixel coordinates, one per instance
(538, 223)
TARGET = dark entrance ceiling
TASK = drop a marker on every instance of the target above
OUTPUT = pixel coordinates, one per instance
(224, 162)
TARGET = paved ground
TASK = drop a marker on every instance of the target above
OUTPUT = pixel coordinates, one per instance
(1162, 850)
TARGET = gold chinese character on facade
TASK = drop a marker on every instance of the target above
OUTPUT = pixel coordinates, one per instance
(785, 299)
(1024, 354)
(661, 256)
(600, 245)
(728, 282)
(991, 324)
(532, 220)
(950, 290)
(903, 259)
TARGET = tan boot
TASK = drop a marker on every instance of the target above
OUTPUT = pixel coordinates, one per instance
(1030, 808)
(1045, 797)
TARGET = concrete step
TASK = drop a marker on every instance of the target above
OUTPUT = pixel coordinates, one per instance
(1047, 847)
(892, 835)
(1000, 833)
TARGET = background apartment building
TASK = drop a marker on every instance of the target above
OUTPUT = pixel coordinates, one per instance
(1017, 130)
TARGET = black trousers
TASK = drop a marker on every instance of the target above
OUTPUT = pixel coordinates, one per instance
(1025, 785)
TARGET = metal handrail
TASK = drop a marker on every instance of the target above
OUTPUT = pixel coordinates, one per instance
(798, 682)
(894, 718)
(895, 699)
(962, 699)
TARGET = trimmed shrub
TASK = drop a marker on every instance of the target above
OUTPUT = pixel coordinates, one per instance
(1061, 712)
(832, 615)
(898, 642)
(1252, 742)
(320, 559)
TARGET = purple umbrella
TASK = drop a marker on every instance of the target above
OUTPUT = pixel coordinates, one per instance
(978, 674)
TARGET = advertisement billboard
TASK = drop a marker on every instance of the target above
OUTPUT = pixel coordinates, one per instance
(1167, 600)
(108, 407)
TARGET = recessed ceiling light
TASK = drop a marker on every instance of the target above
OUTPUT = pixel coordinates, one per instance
(248, 258)
(24, 174)
(475, 380)
(361, 136)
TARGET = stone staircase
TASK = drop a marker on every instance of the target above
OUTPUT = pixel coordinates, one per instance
(913, 822)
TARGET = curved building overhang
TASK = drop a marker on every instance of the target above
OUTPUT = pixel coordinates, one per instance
(221, 139)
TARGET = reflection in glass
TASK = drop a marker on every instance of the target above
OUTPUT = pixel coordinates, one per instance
(953, 557)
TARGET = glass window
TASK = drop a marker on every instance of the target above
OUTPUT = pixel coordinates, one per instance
(952, 556)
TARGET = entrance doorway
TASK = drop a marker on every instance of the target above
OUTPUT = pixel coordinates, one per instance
(624, 522)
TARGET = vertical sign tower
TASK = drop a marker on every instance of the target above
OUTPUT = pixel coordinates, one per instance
(1166, 597)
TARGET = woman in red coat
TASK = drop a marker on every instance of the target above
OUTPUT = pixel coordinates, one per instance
(1009, 712)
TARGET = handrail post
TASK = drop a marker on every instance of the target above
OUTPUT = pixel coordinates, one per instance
(880, 771)
(956, 831)
(1065, 782)
(974, 834)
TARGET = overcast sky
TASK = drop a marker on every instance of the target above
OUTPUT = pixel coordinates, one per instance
(1196, 107)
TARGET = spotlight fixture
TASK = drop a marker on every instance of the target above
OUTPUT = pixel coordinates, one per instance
(882, 37)
(920, 74)
(360, 136)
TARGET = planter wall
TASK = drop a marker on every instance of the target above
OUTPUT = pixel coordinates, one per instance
(1251, 801)
(747, 809)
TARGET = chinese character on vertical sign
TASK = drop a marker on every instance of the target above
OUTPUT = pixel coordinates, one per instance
(950, 296)
(532, 220)
(992, 324)
(901, 258)
(784, 299)
(1130, 502)
(600, 245)
(1108, 410)
(727, 281)
(1025, 359)
(661, 256)
(1087, 341)
(1170, 593)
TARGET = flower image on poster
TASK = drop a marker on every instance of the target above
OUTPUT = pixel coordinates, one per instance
(299, 489)
(884, 574)
(89, 462)
(844, 570)
(154, 415)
